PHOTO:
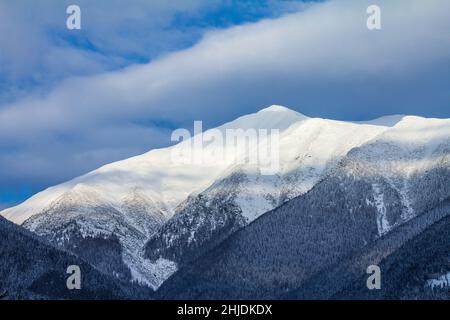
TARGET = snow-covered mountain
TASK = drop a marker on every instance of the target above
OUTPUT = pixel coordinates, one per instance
(164, 182)
(144, 217)
(405, 166)
(365, 210)
(309, 149)
(127, 201)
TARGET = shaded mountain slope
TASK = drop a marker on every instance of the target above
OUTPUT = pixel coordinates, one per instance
(281, 249)
(32, 269)
(417, 270)
(403, 256)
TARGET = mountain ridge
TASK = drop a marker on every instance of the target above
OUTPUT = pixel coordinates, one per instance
(155, 216)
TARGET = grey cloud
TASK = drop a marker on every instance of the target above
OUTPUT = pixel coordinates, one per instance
(38, 51)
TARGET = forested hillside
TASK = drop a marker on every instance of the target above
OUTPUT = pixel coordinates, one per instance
(32, 269)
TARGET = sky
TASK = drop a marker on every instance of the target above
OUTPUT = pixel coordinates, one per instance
(73, 100)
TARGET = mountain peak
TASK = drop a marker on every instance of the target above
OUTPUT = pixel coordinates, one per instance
(277, 108)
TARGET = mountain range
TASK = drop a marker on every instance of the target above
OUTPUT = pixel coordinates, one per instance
(347, 195)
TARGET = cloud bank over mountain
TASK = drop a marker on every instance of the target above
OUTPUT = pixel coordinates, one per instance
(322, 60)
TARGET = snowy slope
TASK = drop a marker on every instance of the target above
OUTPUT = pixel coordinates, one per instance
(154, 174)
(396, 162)
(309, 149)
